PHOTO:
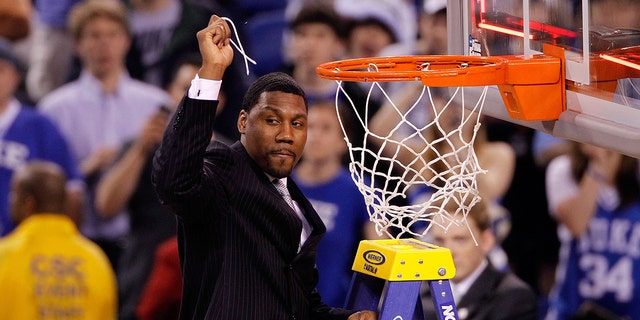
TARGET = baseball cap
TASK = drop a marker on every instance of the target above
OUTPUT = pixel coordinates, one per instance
(433, 6)
(398, 16)
(8, 54)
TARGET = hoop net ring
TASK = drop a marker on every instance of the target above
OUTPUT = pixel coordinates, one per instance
(436, 71)
(434, 156)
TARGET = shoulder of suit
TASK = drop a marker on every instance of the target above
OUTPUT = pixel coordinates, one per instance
(511, 282)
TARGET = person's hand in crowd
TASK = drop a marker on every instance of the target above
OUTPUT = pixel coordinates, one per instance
(98, 161)
(364, 315)
(152, 132)
(603, 162)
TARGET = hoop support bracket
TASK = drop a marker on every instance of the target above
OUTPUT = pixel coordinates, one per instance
(534, 87)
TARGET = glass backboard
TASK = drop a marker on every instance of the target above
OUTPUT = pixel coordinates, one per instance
(601, 42)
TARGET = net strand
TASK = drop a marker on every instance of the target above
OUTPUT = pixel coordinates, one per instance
(387, 178)
(239, 46)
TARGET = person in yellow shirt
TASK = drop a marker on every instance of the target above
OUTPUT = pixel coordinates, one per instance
(48, 270)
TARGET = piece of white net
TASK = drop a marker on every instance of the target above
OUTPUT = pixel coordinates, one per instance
(385, 178)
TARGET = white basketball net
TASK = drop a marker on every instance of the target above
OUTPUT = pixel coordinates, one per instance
(450, 175)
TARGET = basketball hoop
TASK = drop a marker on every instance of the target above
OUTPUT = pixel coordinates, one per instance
(451, 174)
(436, 71)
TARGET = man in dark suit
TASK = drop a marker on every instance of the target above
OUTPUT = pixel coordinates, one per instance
(247, 251)
(480, 291)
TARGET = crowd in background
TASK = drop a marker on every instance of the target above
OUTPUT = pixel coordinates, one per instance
(99, 80)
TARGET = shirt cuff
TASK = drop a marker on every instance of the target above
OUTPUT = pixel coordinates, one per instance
(204, 89)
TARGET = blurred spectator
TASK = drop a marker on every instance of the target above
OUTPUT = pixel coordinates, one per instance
(160, 299)
(126, 186)
(376, 25)
(47, 269)
(481, 292)
(162, 31)
(379, 28)
(327, 184)
(15, 19)
(594, 194)
(294, 6)
(546, 147)
(51, 48)
(318, 36)
(163, 34)
(102, 109)
(432, 28)
(26, 135)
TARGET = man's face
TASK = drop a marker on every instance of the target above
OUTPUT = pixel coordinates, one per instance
(313, 44)
(274, 132)
(467, 256)
(368, 40)
(181, 82)
(9, 81)
(102, 46)
(18, 210)
(326, 140)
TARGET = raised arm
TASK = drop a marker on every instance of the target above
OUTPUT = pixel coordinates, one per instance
(119, 183)
(576, 211)
(178, 162)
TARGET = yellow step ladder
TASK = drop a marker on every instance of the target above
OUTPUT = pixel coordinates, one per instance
(388, 275)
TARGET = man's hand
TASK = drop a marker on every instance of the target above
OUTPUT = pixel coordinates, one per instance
(215, 48)
(151, 133)
(364, 315)
(98, 160)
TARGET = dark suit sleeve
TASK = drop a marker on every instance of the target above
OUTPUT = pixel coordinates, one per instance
(516, 302)
(178, 163)
(320, 311)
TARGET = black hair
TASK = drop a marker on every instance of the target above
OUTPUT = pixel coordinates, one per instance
(187, 59)
(353, 23)
(275, 81)
(320, 13)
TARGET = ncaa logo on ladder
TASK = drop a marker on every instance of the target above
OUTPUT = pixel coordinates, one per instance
(447, 312)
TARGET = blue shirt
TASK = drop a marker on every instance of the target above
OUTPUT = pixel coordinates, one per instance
(28, 136)
(343, 211)
(602, 266)
(54, 12)
(90, 119)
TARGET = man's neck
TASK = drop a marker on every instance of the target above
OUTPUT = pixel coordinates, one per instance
(310, 80)
(151, 6)
(109, 80)
(4, 105)
(317, 172)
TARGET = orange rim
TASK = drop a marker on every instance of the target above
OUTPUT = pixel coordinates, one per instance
(438, 71)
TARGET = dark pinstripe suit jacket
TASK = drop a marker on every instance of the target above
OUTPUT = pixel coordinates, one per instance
(238, 238)
(493, 296)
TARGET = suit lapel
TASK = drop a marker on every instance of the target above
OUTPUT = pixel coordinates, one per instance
(476, 296)
(309, 212)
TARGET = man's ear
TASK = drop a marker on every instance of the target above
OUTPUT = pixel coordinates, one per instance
(24, 207)
(242, 121)
(488, 240)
